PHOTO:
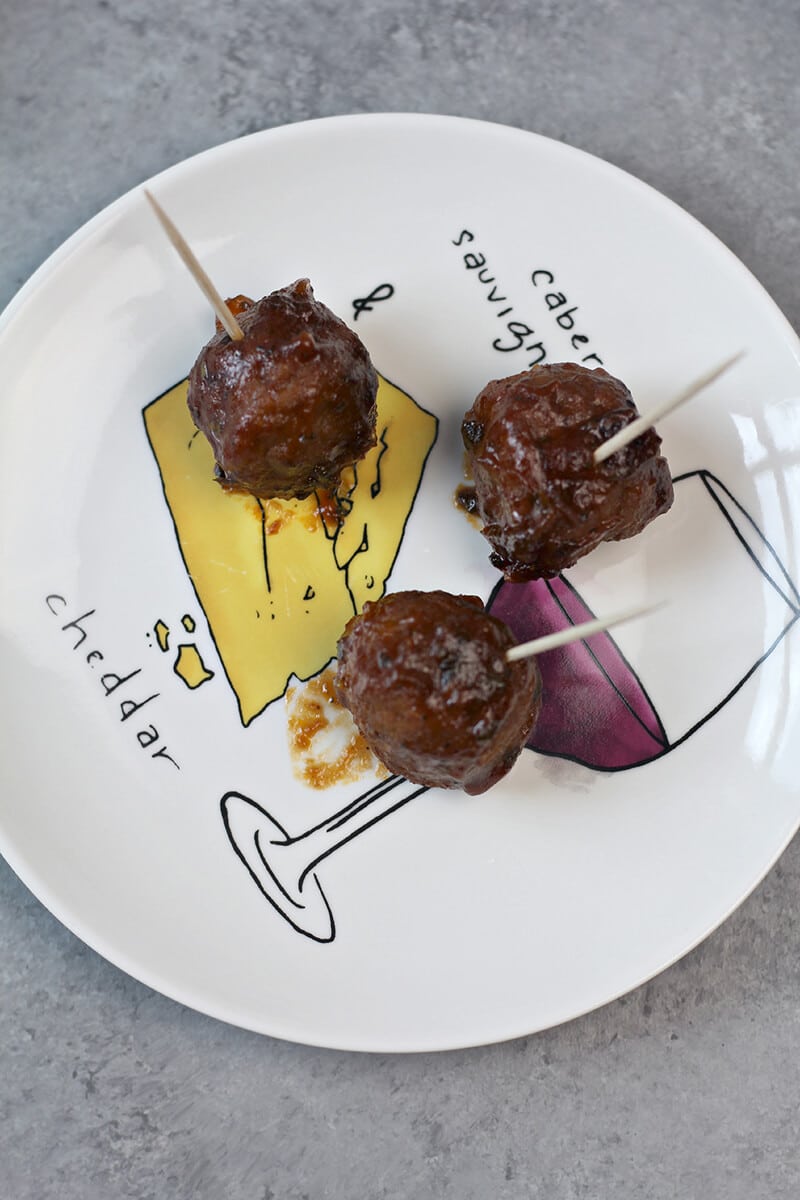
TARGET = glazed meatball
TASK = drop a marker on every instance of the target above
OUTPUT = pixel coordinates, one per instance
(425, 677)
(289, 406)
(544, 503)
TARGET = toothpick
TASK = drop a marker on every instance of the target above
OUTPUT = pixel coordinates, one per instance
(576, 633)
(647, 420)
(211, 294)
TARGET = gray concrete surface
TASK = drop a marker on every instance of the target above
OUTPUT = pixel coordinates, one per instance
(690, 1086)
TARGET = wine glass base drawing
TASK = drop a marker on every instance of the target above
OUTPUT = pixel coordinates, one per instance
(284, 867)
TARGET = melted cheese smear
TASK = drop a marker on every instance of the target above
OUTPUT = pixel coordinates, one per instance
(324, 744)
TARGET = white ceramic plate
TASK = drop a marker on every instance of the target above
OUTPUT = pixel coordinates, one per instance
(450, 920)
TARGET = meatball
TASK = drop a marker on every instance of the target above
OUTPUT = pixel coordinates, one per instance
(425, 677)
(289, 406)
(543, 501)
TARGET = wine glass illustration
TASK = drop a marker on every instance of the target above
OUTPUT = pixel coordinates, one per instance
(596, 711)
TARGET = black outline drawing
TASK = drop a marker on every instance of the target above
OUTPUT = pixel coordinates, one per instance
(283, 867)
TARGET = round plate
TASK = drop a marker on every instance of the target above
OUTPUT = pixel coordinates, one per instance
(148, 626)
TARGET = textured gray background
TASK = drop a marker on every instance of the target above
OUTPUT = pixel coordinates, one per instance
(690, 1086)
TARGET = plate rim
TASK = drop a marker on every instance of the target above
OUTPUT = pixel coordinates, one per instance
(27, 872)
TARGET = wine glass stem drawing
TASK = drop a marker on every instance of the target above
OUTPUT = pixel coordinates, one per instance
(284, 867)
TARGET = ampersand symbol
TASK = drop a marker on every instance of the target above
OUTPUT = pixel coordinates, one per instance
(384, 291)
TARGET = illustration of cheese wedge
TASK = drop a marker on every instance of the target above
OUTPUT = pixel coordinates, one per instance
(278, 585)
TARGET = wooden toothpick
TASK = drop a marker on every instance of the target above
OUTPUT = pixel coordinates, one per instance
(647, 420)
(576, 633)
(211, 294)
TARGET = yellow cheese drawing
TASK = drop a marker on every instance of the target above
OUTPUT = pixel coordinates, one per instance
(277, 586)
(190, 667)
